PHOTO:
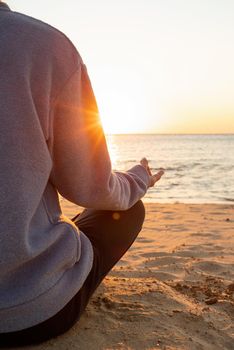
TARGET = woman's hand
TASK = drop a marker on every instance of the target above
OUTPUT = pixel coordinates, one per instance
(153, 177)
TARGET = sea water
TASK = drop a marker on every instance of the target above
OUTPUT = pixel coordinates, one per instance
(198, 168)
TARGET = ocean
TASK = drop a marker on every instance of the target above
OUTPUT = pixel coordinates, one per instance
(199, 168)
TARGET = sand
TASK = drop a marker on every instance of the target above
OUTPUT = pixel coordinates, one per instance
(174, 289)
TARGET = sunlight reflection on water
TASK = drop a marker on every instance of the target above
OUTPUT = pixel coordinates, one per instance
(199, 168)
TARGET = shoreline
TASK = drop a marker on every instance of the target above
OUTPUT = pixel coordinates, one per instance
(70, 209)
(226, 202)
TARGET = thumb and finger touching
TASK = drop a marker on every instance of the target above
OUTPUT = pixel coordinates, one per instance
(154, 177)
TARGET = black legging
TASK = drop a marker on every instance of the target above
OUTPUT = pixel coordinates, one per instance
(111, 234)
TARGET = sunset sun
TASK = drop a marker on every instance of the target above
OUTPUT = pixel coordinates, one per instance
(121, 103)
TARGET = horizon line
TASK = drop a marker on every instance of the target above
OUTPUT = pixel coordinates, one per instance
(169, 133)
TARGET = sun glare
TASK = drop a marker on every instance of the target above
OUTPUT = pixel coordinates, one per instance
(121, 122)
(121, 101)
(113, 151)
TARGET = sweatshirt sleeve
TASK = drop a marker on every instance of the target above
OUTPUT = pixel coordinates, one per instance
(82, 170)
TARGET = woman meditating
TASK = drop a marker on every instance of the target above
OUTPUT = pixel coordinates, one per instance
(52, 142)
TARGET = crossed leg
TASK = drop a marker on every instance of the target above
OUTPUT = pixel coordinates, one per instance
(111, 234)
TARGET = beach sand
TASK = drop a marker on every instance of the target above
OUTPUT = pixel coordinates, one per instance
(174, 289)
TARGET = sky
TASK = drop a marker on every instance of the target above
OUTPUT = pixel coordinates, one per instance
(156, 66)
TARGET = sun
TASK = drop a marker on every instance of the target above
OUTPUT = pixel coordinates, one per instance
(123, 119)
(121, 103)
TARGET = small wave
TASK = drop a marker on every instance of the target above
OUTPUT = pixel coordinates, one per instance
(178, 168)
(227, 199)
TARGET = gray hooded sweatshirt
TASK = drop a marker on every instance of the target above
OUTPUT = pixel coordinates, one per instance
(51, 142)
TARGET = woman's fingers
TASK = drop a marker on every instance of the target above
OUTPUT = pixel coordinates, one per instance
(158, 175)
(154, 178)
(144, 162)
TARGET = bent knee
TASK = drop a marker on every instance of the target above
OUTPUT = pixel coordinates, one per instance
(138, 214)
(139, 209)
